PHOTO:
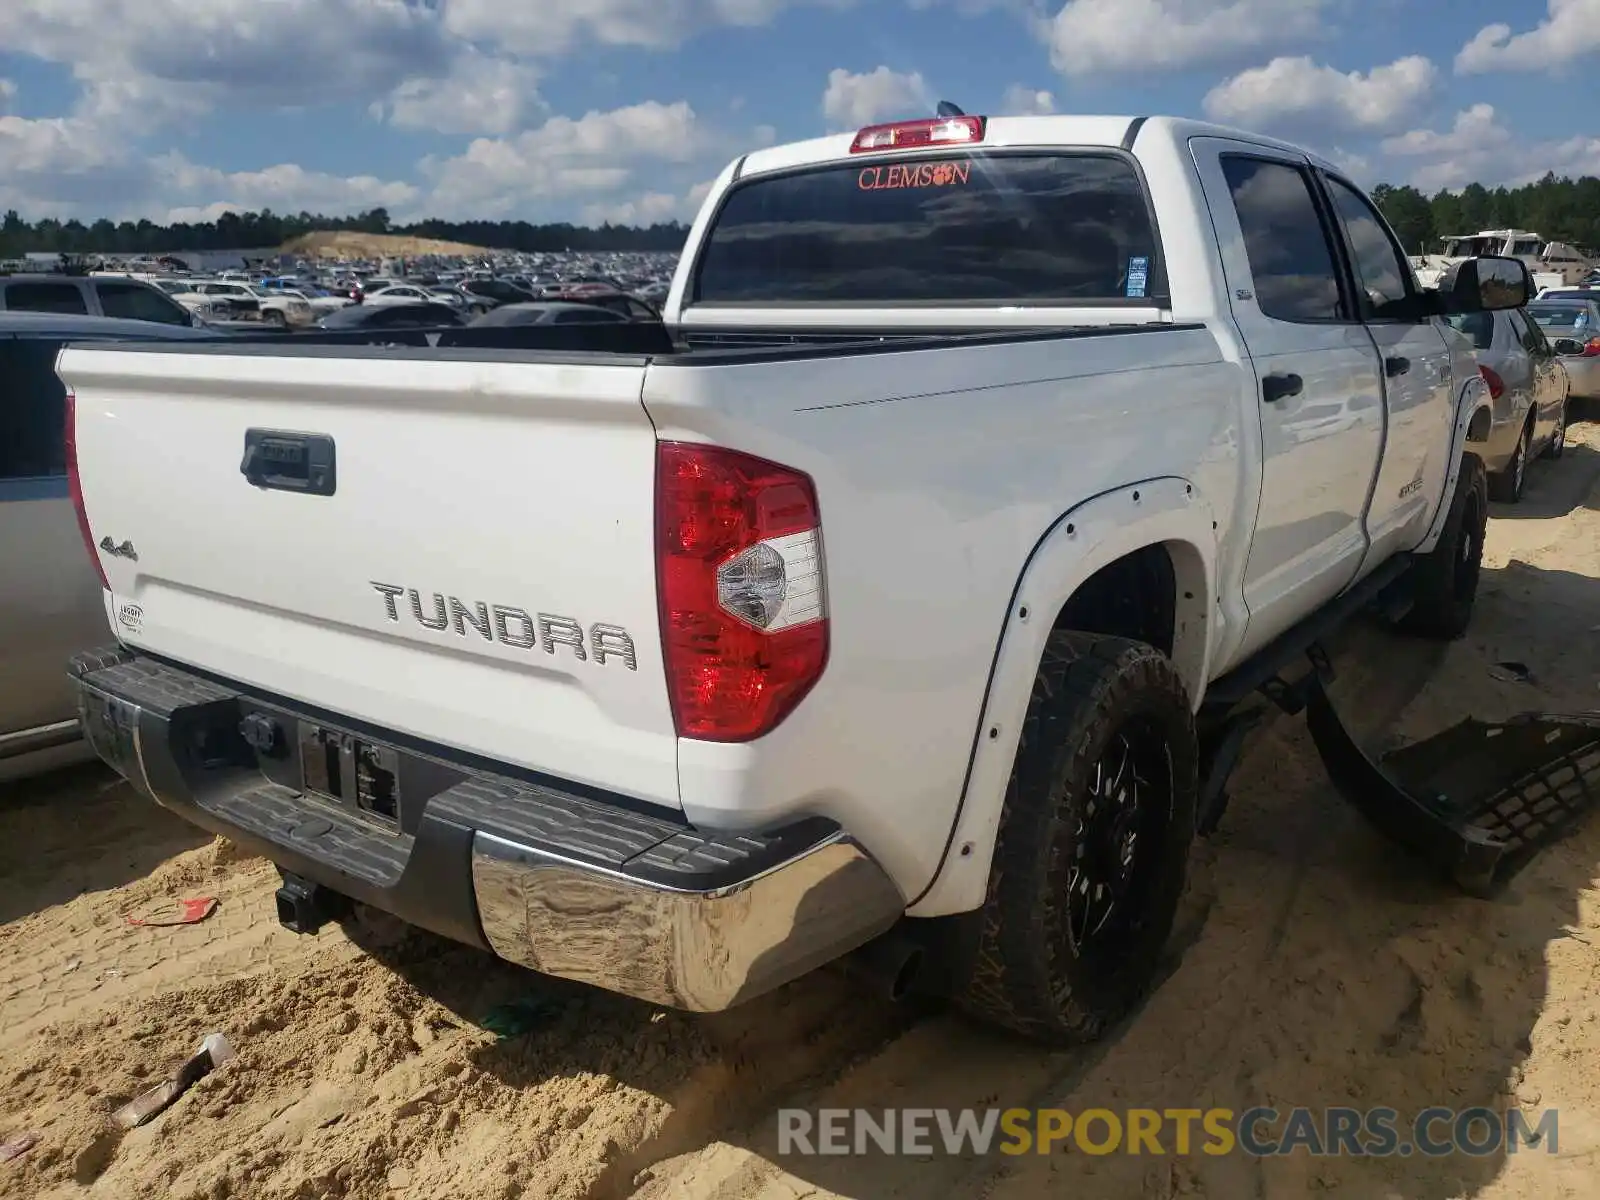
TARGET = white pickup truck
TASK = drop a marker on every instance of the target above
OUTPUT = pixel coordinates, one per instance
(885, 593)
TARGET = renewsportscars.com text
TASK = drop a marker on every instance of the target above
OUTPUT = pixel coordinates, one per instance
(1260, 1132)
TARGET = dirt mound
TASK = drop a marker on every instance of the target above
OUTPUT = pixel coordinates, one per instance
(348, 244)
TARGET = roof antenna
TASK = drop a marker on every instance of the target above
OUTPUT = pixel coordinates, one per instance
(946, 109)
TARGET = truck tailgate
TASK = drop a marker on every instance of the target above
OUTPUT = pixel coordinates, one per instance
(482, 573)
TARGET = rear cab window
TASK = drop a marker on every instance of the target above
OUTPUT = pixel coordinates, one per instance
(1562, 317)
(957, 229)
(44, 297)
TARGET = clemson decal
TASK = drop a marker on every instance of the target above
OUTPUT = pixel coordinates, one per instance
(914, 175)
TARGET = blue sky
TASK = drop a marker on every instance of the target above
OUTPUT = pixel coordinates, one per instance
(624, 109)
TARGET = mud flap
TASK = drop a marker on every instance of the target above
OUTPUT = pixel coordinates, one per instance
(1476, 800)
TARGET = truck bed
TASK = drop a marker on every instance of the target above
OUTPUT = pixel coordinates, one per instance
(482, 574)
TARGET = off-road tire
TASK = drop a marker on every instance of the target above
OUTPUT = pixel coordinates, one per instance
(1557, 445)
(1445, 581)
(1029, 975)
(274, 317)
(1506, 487)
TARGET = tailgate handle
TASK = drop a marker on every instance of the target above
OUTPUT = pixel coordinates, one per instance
(283, 461)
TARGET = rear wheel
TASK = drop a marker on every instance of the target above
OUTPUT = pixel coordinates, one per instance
(1093, 844)
(1446, 579)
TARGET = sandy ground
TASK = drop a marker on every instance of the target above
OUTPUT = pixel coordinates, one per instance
(1314, 965)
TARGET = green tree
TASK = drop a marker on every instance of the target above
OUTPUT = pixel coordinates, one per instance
(1409, 213)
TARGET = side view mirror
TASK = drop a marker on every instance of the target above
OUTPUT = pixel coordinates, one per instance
(1484, 284)
(1568, 346)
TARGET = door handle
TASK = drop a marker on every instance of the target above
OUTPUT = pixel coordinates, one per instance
(1396, 366)
(1278, 386)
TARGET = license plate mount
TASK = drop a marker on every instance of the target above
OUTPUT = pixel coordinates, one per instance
(353, 773)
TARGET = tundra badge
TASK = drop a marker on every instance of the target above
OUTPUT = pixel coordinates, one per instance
(512, 626)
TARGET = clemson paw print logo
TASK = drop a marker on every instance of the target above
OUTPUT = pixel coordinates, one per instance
(943, 175)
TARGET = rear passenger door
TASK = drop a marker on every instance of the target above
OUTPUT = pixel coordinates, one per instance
(1419, 402)
(1549, 378)
(1317, 377)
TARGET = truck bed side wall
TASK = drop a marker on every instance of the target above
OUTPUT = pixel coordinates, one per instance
(938, 473)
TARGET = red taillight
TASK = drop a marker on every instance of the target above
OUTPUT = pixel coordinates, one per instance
(744, 616)
(1497, 386)
(1591, 348)
(907, 135)
(75, 485)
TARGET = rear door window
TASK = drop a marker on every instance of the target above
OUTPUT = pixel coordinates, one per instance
(953, 229)
(45, 297)
(1478, 326)
(1285, 241)
(139, 303)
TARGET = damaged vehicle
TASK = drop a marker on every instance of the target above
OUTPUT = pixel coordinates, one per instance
(903, 593)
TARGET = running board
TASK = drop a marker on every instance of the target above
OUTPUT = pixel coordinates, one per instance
(1477, 800)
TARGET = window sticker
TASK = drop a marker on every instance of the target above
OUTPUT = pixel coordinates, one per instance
(914, 175)
(1138, 275)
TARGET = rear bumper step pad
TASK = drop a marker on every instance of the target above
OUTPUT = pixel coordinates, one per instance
(1477, 800)
(561, 880)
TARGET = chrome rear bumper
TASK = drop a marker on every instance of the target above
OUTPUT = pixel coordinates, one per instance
(701, 950)
(563, 882)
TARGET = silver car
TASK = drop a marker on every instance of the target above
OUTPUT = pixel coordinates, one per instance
(1529, 388)
(1571, 323)
(51, 604)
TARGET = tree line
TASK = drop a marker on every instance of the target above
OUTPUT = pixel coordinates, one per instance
(267, 229)
(1566, 210)
(1560, 210)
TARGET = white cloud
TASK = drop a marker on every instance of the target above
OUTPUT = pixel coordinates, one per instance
(59, 163)
(595, 153)
(698, 193)
(852, 101)
(1357, 166)
(480, 94)
(1026, 101)
(66, 167)
(8, 91)
(1089, 36)
(285, 53)
(284, 188)
(551, 27)
(1571, 31)
(1477, 128)
(1300, 92)
(446, 65)
(649, 209)
(1479, 148)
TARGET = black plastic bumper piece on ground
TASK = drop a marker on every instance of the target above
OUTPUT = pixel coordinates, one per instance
(1477, 800)
(179, 736)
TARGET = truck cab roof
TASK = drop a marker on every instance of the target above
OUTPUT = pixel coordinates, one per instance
(1056, 131)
